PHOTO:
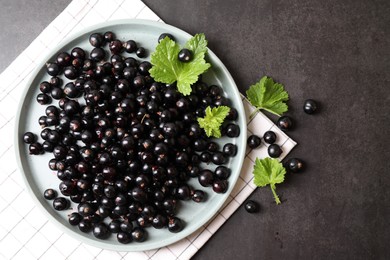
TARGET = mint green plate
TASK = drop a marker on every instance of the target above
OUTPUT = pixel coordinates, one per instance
(39, 177)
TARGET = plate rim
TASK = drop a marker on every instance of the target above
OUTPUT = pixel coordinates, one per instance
(133, 247)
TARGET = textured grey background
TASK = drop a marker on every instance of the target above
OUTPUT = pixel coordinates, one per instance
(337, 52)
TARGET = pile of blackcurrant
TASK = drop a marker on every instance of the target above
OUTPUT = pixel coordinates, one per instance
(124, 146)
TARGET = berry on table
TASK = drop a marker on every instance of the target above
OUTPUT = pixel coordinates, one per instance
(310, 106)
(251, 206)
(295, 165)
(285, 123)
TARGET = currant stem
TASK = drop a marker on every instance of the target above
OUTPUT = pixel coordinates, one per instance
(277, 200)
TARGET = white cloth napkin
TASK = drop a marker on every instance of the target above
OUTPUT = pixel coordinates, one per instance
(25, 233)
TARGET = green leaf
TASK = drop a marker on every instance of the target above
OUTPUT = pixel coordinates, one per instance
(213, 120)
(168, 69)
(269, 171)
(268, 95)
(164, 58)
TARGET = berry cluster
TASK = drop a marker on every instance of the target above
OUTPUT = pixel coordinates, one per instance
(124, 146)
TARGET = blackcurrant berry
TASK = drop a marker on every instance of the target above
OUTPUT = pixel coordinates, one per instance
(253, 141)
(295, 165)
(269, 137)
(50, 194)
(185, 55)
(29, 138)
(310, 106)
(285, 123)
(274, 151)
(60, 203)
(251, 206)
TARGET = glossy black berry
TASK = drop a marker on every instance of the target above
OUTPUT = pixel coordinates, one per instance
(141, 52)
(138, 234)
(159, 221)
(85, 226)
(130, 46)
(51, 111)
(269, 137)
(251, 206)
(198, 196)
(115, 225)
(183, 192)
(206, 178)
(124, 237)
(222, 172)
(57, 93)
(43, 99)
(295, 165)
(78, 53)
(175, 225)
(52, 68)
(85, 209)
(109, 36)
(285, 123)
(115, 46)
(47, 146)
(55, 82)
(144, 67)
(71, 91)
(218, 158)
(101, 231)
(59, 152)
(52, 136)
(220, 186)
(50, 194)
(74, 218)
(233, 114)
(29, 138)
(96, 39)
(63, 59)
(253, 141)
(70, 72)
(274, 150)
(97, 54)
(66, 187)
(185, 55)
(229, 149)
(45, 87)
(61, 203)
(35, 148)
(310, 106)
(45, 133)
(232, 130)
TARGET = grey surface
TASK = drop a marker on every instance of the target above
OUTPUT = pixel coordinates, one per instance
(336, 52)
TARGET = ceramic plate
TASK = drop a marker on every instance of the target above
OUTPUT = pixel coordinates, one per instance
(39, 177)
